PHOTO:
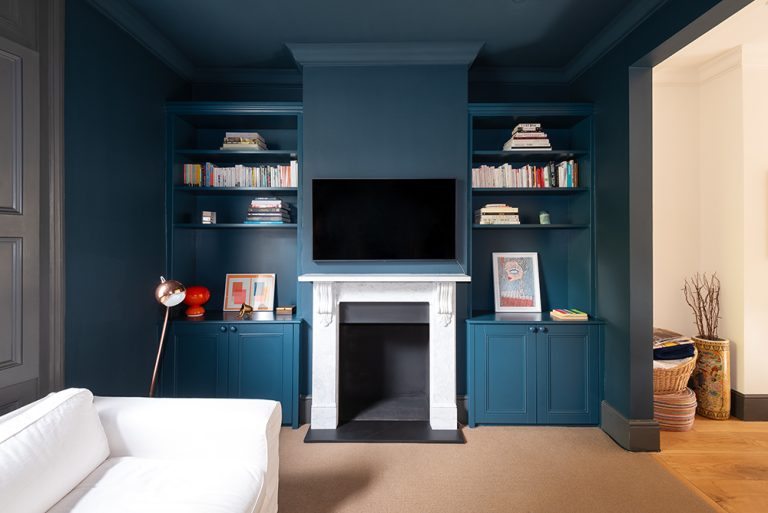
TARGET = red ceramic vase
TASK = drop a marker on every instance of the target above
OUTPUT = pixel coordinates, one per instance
(197, 296)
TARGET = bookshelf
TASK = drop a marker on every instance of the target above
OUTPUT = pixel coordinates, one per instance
(221, 355)
(526, 368)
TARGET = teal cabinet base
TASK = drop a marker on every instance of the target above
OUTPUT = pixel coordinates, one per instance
(534, 373)
(234, 359)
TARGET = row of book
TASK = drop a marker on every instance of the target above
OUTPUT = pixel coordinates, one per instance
(528, 136)
(497, 213)
(563, 174)
(268, 211)
(252, 141)
(209, 175)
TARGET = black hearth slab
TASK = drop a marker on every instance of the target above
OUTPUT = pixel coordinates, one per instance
(385, 431)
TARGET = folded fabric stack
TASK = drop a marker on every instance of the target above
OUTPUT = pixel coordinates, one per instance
(676, 348)
(675, 412)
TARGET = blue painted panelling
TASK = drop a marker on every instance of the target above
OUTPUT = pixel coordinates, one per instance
(115, 91)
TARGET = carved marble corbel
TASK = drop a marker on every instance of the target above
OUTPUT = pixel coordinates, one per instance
(445, 302)
(326, 302)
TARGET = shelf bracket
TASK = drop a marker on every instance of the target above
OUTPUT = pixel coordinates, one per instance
(326, 302)
(445, 302)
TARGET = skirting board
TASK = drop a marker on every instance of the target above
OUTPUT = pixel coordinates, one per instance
(305, 409)
(749, 407)
(637, 435)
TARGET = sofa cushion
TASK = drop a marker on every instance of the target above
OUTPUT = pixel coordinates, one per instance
(144, 485)
(47, 448)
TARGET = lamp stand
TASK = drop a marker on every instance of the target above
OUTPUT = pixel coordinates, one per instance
(159, 353)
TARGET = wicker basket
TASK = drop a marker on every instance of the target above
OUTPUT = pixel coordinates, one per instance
(674, 380)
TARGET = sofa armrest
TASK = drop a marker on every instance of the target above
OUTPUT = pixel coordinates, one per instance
(244, 430)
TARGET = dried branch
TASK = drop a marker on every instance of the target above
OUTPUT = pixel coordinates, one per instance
(702, 294)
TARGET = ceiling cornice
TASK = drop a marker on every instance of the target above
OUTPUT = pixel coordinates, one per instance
(624, 23)
(136, 25)
(385, 54)
(517, 75)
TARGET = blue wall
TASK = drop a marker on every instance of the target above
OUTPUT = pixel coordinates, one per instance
(114, 174)
(624, 208)
(376, 122)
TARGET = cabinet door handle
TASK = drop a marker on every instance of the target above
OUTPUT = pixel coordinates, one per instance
(223, 329)
(544, 330)
(233, 329)
(533, 329)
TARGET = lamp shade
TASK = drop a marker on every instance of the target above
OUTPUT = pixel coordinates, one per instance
(170, 292)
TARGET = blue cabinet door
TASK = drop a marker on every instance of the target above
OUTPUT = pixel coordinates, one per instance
(262, 366)
(567, 373)
(195, 363)
(503, 375)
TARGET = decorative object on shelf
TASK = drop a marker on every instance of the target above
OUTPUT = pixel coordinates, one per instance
(196, 297)
(208, 217)
(516, 282)
(543, 217)
(528, 136)
(497, 213)
(168, 293)
(257, 290)
(286, 310)
(245, 311)
(712, 375)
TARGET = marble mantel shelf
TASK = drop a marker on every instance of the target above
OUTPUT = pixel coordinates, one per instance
(390, 278)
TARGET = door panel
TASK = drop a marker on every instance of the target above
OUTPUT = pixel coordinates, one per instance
(198, 357)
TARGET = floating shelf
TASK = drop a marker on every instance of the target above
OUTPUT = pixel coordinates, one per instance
(530, 226)
(221, 226)
(263, 156)
(528, 190)
(208, 190)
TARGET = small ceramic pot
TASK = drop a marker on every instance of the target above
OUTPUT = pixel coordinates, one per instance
(196, 297)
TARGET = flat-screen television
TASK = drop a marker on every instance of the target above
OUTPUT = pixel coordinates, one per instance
(383, 219)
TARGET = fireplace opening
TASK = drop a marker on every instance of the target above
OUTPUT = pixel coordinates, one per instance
(384, 362)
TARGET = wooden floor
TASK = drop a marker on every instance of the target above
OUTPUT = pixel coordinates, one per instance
(726, 460)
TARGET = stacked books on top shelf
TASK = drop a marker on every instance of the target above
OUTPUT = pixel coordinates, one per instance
(527, 136)
(243, 141)
(568, 314)
(564, 174)
(497, 213)
(268, 211)
(209, 175)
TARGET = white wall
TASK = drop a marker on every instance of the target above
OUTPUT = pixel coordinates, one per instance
(710, 188)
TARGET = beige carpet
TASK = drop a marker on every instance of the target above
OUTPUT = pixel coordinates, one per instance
(500, 469)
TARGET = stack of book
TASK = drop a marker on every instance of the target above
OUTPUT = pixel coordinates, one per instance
(209, 217)
(282, 175)
(565, 314)
(528, 136)
(497, 213)
(564, 174)
(243, 141)
(268, 211)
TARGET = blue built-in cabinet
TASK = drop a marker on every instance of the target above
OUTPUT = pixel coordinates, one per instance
(525, 368)
(534, 371)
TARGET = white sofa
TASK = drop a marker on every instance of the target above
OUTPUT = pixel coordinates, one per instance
(69, 452)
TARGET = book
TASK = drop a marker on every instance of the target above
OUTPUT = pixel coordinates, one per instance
(563, 174)
(243, 141)
(264, 176)
(565, 314)
(497, 219)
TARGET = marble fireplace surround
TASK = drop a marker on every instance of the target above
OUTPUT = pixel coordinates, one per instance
(329, 290)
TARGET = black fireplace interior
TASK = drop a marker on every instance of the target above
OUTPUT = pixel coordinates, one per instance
(384, 362)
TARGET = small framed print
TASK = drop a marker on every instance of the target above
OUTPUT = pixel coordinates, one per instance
(256, 290)
(516, 282)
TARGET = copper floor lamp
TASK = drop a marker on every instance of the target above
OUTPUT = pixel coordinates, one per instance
(169, 294)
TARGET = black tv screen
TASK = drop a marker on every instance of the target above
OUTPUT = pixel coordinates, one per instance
(383, 219)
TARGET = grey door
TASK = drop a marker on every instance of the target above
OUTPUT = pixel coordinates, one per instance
(19, 224)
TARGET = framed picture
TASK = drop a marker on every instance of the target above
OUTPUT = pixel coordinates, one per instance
(256, 290)
(516, 282)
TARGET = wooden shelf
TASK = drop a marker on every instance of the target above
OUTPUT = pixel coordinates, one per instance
(532, 155)
(221, 226)
(528, 190)
(239, 156)
(209, 190)
(530, 226)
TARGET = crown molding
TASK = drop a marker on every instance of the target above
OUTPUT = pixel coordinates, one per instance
(131, 21)
(754, 55)
(676, 76)
(385, 54)
(517, 75)
(613, 33)
(287, 76)
(716, 66)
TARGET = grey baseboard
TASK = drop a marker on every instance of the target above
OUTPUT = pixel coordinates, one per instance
(305, 409)
(749, 407)
(638, 435)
